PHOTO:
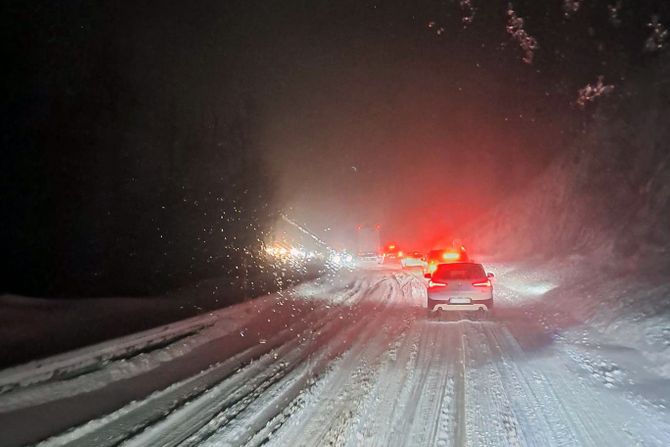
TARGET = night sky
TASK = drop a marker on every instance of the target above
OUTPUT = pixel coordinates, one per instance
(134, 132)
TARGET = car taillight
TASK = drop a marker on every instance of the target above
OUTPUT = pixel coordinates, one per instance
(432, 283)
(482, 283)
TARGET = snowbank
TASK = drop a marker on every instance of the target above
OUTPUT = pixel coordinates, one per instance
(575, 299)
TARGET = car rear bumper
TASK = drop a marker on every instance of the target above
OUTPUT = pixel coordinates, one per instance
(475, 305)
(459, 307)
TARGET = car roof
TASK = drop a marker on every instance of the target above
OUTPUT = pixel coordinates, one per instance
(460, 263)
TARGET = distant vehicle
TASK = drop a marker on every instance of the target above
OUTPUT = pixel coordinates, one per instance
(444, 256)
(392, 254)
(369, 258)
(413, 259)
(461, 286)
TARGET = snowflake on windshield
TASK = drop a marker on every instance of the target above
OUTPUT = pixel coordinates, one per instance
(438, 29)
(515, 28)
(570, 7)
(591, 92)
(659, 34)
(468, 11)
(613, 11)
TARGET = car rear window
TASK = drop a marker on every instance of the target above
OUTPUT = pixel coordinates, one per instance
(435, 254)
(459, 271)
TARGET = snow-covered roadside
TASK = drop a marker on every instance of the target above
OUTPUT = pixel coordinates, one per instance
(95, 366)
(179, 359)
(617, 328)
(32, 328)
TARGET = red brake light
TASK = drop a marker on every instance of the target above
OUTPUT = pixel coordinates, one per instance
(432, 283)
(482, 283)
(400, 254)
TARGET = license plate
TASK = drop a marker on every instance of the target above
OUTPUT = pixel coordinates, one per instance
(460, 301)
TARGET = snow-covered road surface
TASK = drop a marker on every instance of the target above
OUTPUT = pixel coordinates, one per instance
(349, 360)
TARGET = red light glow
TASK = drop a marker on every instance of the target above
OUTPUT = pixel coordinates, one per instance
(485, 283)
(449, 256)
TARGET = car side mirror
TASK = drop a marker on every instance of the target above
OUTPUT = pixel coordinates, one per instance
(490, 275)
(427, 275)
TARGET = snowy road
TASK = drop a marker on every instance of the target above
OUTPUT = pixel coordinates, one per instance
(346, 361)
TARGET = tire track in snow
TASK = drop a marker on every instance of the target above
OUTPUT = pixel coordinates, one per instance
(226, 410)
(546, 421)
(223, 428)
(132, 420)
(340, 400)
(384, 400)
(444, 365)
(558, 409)
(459, 398)
(135, 417)
(416, 421)
(492, 417)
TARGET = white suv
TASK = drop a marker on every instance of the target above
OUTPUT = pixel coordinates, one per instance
(460, 286)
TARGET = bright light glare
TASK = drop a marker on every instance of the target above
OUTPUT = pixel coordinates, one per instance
(341, 259)
(296, 252)
(286, 254)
